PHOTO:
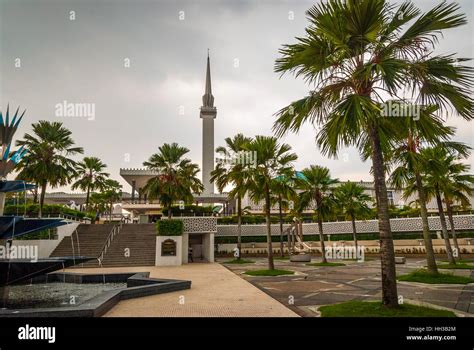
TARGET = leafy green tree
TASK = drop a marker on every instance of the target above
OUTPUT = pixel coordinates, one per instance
(353, 202)
(48, 159)
(91, 176)
(358, 54)
(233, 170)
(441, 164)
(176, 177)
(273, 159)
(316, 190)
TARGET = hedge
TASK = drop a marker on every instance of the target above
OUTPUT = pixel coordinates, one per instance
(189, 210)
(48, 210)
(169, 227)
(335, 237)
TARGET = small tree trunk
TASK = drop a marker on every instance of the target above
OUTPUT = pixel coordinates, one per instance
(387, 253)
(430, 257)
(321, 238)
(87, 197)
(239, 226)
(444, 228)
(354, 232)
(169, 211)
(280, 213)
(453, 229)
(271, 265)
(43, 193)
(35, 194)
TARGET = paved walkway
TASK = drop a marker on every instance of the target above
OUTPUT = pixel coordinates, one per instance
(315, 286)
(215, 292)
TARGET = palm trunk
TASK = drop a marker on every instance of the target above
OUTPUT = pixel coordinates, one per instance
(387, 253)
(430, 257)
(271, 265)
(444, 228)
(239, 226)
(43, 192)
(321, 238)
(354, 232)
(453, 230)
(280, 213)
(35, 194)
(318, 200)
(87, 197)
(169, 211)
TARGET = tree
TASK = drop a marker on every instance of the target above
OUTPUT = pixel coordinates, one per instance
(316, 189)
(441, 168)
(176, 177)
(282, 190)
(92, 176)
(408, 163)
(110, 194)
(356, 53)
(233, 170)
(47, 161)
(272, 160)
(353, 202)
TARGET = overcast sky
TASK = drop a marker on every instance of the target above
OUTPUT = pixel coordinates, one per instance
(140, 107)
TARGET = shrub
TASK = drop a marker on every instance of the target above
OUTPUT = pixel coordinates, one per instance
(169, 227)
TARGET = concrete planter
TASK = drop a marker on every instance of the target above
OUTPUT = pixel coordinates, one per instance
(300, 258)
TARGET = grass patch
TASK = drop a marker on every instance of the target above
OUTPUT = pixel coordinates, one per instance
(237, 261)
(376, 309)
(281, 258)
(423, 276)
(326, 264)
(269, 272)
(460, 266)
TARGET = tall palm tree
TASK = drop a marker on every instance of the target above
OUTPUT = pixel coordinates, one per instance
(316, 188)
(92, 176)
(47, 161)
(273, 159)
(176, 177)
(233, 170)
(356, 53)
(443, 174)
(353, 202)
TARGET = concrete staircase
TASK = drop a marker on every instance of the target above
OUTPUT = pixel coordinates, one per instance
(139, 240)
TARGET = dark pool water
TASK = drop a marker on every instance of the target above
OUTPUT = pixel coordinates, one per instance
(55, 294)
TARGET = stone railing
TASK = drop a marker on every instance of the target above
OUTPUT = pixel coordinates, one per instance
(461, 222)
(198, 224)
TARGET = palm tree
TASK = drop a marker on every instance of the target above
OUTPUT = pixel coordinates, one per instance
(47, 161)
(273, 159)
(91, 176)
(442, 171)
(457, 187)
(352, 200)
(232, 170)
(355, 52)
(176, 177)
(405, 156)
(315, 186)
(282, 190)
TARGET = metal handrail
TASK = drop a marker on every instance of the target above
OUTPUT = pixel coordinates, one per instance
(115, 231)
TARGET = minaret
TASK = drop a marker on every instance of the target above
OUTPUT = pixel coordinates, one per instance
(208, 114)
